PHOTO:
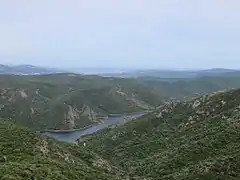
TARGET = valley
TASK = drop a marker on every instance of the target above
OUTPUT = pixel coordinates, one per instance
(72, 101)
(71, 126)
(74, 135)
(120, 90)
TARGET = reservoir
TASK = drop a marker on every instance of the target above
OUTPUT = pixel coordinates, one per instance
(73, 135)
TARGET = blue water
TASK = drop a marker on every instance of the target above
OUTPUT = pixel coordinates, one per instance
(73, 135)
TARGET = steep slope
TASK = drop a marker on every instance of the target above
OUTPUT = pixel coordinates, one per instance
(196, 139)
(25, 155)
(69, 100)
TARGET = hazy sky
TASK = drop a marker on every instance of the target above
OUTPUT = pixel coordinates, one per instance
(125, 33)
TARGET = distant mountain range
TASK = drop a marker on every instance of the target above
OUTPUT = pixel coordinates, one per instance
(173, 74)
(113, 72)
(26, 70)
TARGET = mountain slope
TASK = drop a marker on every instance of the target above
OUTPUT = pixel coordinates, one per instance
(196, 139)
(24, 155)
(66, 101)
(69, 100)
(186, 88)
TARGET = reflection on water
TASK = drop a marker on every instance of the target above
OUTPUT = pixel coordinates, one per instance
(71, 136)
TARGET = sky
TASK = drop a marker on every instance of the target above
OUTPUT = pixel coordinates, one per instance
(161, 34)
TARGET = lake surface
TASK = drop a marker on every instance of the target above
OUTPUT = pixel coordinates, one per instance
(73, 135)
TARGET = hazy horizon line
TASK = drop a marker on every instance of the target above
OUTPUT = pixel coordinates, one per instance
(117, 68)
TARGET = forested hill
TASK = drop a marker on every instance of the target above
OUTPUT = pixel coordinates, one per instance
(65, 101)
(25, 155)
(70, 101)
(178, 140)
(197, 139)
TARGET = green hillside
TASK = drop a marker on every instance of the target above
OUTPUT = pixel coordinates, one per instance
(186, 88)
(25, 155)
(196, 139)
(193, 139)
(66, 101)
(70, 101)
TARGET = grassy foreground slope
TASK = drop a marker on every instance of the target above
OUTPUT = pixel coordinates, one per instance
(196, 139)
(24, 155)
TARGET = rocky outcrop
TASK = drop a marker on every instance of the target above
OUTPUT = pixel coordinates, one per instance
(70, 116)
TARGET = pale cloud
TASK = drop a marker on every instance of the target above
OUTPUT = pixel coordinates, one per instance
(153, 33)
